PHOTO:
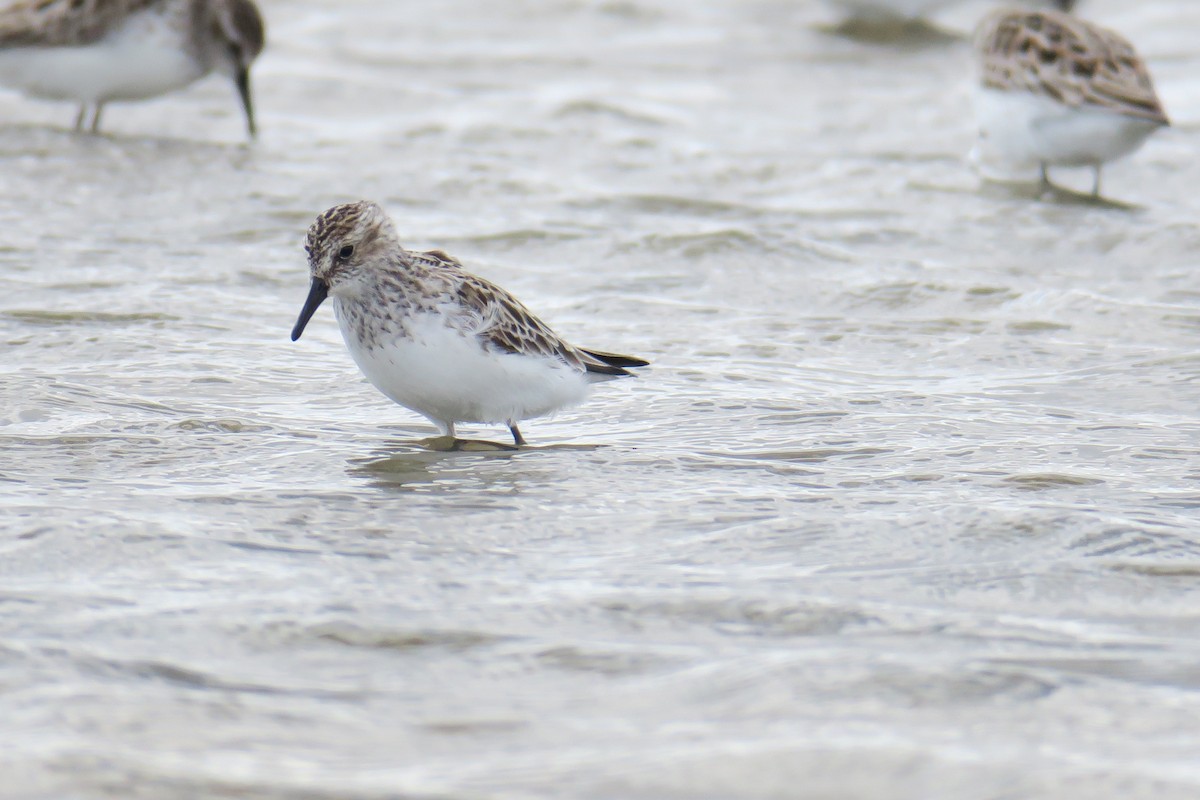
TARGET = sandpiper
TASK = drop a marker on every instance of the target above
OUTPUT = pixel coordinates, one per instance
(437, 339)
(97, 51)
(900, 11)
(1056, 90)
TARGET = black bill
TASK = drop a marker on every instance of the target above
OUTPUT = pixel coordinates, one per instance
(316, 295)
(243, 87)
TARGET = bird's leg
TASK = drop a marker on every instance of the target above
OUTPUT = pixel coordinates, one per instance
(1044, 175)
(518, 439)
(79, 117)
(1096, 180)
(96, 118)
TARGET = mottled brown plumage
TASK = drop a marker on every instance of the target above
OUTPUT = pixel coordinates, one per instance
(53, 23)
(432, 280)
(1067, 59)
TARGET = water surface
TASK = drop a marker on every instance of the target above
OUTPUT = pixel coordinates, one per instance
(907, 505)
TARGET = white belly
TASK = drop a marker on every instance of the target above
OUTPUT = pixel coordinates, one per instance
(1026, 130)
(449, 378)
(143, 58)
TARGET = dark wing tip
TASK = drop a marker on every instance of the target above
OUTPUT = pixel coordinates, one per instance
(615, 360)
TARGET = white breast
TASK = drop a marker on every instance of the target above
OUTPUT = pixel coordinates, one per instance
(449, 377)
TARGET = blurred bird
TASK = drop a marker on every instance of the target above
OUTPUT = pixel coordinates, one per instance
(96, 51)
(1055, 90)
(901, 11)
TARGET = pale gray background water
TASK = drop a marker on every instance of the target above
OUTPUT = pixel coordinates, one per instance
(907, 506)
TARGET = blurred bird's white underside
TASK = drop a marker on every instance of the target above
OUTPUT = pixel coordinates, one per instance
(883, 10)
(1023, 130)
(142, 58)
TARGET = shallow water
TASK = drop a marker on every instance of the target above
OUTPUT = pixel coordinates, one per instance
(907, 505)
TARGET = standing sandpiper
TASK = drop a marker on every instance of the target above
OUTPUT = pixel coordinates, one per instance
(1056, 90)
(437, 339)
(95, 51)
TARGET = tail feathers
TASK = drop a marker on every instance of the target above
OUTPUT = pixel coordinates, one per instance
(605, 370)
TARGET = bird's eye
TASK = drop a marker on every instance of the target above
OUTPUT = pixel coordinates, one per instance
(346, 251)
